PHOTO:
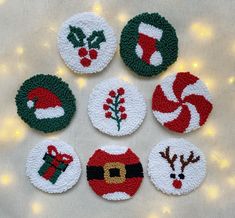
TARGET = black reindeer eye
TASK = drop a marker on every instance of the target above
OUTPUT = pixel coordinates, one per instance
(181, 176)
(172, 175)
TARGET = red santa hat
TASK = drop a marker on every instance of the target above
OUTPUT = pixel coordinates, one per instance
(46, 104)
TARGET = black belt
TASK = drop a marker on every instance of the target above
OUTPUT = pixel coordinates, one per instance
(132, 170)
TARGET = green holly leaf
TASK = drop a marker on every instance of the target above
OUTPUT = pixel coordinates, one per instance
(76, 36)
(95, 39)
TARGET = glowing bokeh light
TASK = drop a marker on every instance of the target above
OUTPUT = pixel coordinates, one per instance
(201, 31)
(212, 192)
(60, 71)
(97, 8)
(3, 68)
(2, 2)
(20, 50)
(231, 80)
(81, 82)
(5, 179)
(152, 215)
(166, 210)
(125, 78)
(219, 158)
(46, 45)
(231, 180)
(122, 17)
(36, 207)
(210, 83)
(209, 130)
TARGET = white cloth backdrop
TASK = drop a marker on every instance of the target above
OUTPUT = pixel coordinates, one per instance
(206, 35)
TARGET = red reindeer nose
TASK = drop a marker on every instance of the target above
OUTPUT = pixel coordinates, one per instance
(177, 183)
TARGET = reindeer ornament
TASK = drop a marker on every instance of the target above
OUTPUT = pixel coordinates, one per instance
(176, 166)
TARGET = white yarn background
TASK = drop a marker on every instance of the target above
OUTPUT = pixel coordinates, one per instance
(88, 22)
(198, 88)
(134, 103)
(66, 180)
(159, 169)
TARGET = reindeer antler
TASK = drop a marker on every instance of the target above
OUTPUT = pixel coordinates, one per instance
(190, 159)
(166, 155)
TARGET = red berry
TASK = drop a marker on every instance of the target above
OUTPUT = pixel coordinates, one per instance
(121, 91)
(82, 52)
(93, 54)
(112, 93)
(122, 100)
(105, 107)
(109, 100)
(85, 62)
(122, 109)
(108, 114)
(123, 116)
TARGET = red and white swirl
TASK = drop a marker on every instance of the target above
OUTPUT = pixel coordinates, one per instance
(181, 102)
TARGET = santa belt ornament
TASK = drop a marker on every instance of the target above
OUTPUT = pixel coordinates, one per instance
(55, 164)
(114, 172)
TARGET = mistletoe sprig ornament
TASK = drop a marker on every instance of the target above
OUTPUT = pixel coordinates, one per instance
(86, 43)
(114, 107)
(88, 46)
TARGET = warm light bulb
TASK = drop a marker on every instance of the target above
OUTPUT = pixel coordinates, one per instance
(97, 8)
(60, 71)
(45, 45)
(20, 50)
(5, 179)
(220, 159)
(3, 68)
(36, 207)
(209, 131)
(201, 31)
(231, 180)
(152, 215)
(81, 83)
(122, 18)
(231, 80)
(125, 78)
(212, 192)
(210, 83)
(166, 210)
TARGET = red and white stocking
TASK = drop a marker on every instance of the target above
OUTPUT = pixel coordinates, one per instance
(146, 49)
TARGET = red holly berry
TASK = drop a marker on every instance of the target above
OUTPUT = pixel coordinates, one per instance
(108, 114)
(105, 107)
(112, 93)
(86, 62)
(122, 100)
(121, 91)
(122, 109)
(93, 54)
(109, 100)
(82, 52)
(123, 116)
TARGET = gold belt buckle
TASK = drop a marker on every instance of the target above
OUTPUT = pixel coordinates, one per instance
(120, 170)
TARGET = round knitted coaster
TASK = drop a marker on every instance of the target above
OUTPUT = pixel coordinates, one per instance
(176, 166)
(116, 107)
(86, 43)
(53, 166)
(114, 173)
(148, 44)
(181, 102)
(45, 103)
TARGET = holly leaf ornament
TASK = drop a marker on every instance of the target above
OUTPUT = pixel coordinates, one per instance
(95, 39)
(76, 36)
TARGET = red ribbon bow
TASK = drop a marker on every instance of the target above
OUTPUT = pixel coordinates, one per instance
(65, 158)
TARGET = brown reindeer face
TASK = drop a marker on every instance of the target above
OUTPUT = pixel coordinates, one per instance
(177, 183)
(175, 165)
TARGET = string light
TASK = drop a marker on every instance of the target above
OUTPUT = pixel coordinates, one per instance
(81, 83)
(60, 71)
(231, 181)
(97, 8)
(201, 31)
(122, 18)
(210, 83)
(36, 207)
(3, 68)
(166, 210)
(2, 2)
(152, 215)
(5, 179)
(209, 130)
(125, 78)
(20, 50)
(46, 45)
(180, 65)
(231, 80)
(218, 158)
(212, 192)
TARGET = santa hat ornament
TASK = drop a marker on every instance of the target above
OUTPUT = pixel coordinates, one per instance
(46, 103)
(181, 102)
(176, 166)
(53, 166)
(86, 43)
(116, 107)
(114, 173)
(148, 44)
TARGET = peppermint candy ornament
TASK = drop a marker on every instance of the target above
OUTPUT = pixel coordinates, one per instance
(116, 107)
(176, 166)
(181, 102)
(53, 166)
(114, 173)
(86, 43)
(148, 44)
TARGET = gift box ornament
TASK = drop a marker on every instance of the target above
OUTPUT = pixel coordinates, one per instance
(55, 164)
